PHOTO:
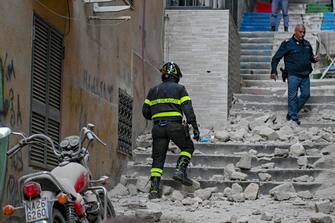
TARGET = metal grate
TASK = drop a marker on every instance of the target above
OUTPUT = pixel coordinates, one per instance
(47, 68)
(125, 123)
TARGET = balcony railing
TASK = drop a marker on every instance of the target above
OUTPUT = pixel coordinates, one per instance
(195, 4)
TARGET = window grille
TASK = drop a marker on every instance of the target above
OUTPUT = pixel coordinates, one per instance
(125, 123)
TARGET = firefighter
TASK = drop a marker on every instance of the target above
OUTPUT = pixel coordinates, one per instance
(165, 105)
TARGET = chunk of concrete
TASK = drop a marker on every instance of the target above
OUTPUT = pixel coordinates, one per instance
(325, 207)
(297, 149)
(245, 162)
(251, 191)
(148, 215)
(118, 190)
(320, 218)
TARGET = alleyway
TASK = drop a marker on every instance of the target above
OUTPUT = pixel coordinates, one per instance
(260, 167)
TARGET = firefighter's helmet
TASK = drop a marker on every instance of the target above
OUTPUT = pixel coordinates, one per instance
(170, 70)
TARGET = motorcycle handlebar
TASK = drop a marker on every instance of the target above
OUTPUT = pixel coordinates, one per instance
(13, 150)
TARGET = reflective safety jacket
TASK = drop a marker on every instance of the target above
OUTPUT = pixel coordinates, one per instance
(168, 101)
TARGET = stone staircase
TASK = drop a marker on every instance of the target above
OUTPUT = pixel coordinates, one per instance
(209, 165)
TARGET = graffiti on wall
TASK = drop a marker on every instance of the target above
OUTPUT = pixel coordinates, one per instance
(11, 110)
(98, 87)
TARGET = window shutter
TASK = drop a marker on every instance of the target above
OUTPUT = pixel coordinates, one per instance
(47, 67)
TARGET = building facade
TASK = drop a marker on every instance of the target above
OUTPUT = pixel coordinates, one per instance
(61, 69)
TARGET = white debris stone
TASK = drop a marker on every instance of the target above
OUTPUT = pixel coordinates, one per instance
(118, 190)
(268, 165)
(206, 193)
(283, 192)
(222, 136)
(302, 161)
(236, 188)
(227, 191)
(132, 189)
(304, 178)
(264, 176)
(177, 196)
(325, 207)
(251, 191)
(218, 178)
(320, 218)
(188, 201)
(328, 150)
(281, 152)
(148, 215)
(238, 176)
(325, 162)
(305, 194)
(245, 162)
(143, 184)
(167, 190)
(266, 216)
(297, 150)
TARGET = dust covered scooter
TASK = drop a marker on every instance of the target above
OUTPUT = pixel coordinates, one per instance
(66, 194)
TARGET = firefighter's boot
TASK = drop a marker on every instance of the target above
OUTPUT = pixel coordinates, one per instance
(180, 172)
(154, 192)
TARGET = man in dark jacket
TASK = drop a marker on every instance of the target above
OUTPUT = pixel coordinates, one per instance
(298, 56)
(165, 105)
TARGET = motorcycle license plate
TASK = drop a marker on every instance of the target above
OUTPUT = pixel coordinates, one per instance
(36, 210)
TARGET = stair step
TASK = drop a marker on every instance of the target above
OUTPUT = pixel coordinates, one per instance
(254, 65)
(222, 160)
(324, 91)
(207, 172)
(256, 40)
(264, 186)
(256, 46)
(256, 35)
(255, 71)
(278, 107)
(271, 83)
(281, 99)
(253, 58)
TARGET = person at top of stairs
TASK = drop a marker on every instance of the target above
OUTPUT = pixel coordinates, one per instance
(298, 56)
(278, 5)
(165, 105)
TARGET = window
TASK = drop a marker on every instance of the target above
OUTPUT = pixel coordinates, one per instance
(125, 123)
(47, 68)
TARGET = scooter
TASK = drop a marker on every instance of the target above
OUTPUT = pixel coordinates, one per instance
(66, 194)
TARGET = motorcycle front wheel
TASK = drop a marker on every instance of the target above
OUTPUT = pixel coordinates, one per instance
(57, 217)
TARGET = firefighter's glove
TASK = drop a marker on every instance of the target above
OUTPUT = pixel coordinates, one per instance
(196, 132)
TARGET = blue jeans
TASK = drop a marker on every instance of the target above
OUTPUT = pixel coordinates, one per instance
(295, 103)
(276, 6)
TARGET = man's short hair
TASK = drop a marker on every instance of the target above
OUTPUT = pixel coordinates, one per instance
(300, 26)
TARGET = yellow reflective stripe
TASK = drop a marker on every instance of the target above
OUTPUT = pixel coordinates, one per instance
(148, 102)
(156, 172)
(187, 154)
(156, 175)
(166, 114)
(167, 101)
(185, 98)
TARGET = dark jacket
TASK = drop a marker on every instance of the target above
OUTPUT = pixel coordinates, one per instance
(168, 101)
(298, 57)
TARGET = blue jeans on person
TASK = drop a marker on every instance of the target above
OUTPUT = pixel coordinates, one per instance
(276, 6)
(295, 103)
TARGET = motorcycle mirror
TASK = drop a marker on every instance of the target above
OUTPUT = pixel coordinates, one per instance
(90, 126)
(4, 132)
